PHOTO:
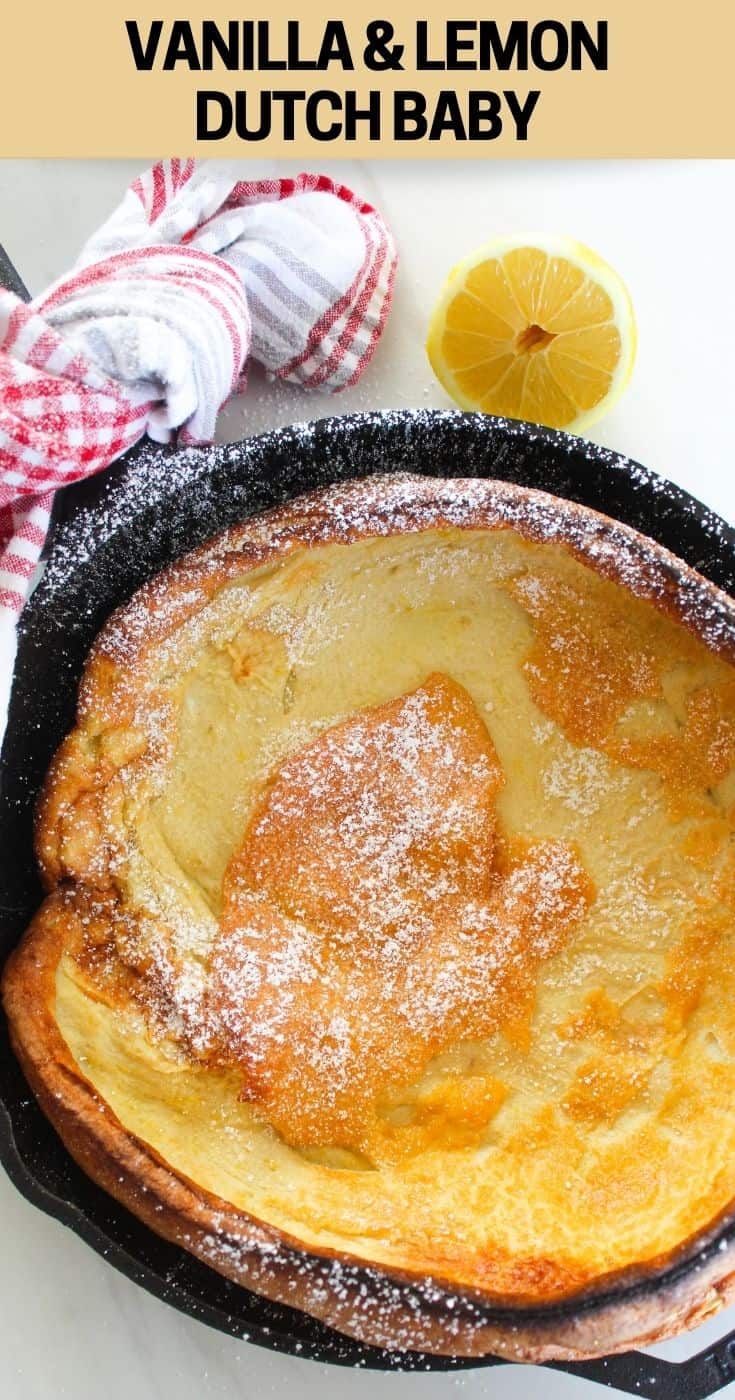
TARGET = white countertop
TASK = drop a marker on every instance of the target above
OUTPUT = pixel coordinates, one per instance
(72, 1326)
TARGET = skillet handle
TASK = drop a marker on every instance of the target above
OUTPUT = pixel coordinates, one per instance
(637, 1374)
(10, 278)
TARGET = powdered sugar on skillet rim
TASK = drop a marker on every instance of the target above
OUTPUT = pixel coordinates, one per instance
(176, 500)
(384, 505)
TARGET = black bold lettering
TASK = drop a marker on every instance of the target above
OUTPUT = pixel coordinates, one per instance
(522, 112)
(583, 42)
(205, 129)
(560, 45)
(513, 53)
(144, 58)
(447, 117)
(320, 133)
(265, 62)
(214, 42)
(423, 62)
(295, 62)
(485, 122)
(288, 101)
(181, 47)
(335, 47)
(456, 44)
(263, 129)
(409, 115)
(369, 114)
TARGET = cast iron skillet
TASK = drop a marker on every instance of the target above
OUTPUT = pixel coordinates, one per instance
(110, 534)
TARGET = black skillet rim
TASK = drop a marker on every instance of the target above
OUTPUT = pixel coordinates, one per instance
(653, 505)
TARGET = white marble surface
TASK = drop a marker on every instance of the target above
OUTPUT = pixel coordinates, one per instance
(72, 1327)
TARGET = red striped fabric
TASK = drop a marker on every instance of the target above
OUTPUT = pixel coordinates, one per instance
(152, 330)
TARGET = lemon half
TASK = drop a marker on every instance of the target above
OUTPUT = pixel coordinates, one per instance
(534, 326)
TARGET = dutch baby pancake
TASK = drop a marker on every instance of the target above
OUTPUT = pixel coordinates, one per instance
(386, 962)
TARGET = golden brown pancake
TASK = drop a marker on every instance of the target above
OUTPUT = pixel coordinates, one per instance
(387, 953)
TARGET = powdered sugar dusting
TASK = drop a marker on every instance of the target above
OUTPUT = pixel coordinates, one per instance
(366, 925)
(579, 780)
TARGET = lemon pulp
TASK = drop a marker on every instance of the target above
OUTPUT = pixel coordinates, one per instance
(533, 327)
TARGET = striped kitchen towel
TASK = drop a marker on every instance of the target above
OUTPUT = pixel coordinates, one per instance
(150, 333)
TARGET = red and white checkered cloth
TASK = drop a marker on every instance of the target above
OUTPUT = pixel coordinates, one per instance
(151, 331)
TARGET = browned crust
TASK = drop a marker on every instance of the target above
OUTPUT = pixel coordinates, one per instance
(330, 1286)
(380, 1306)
